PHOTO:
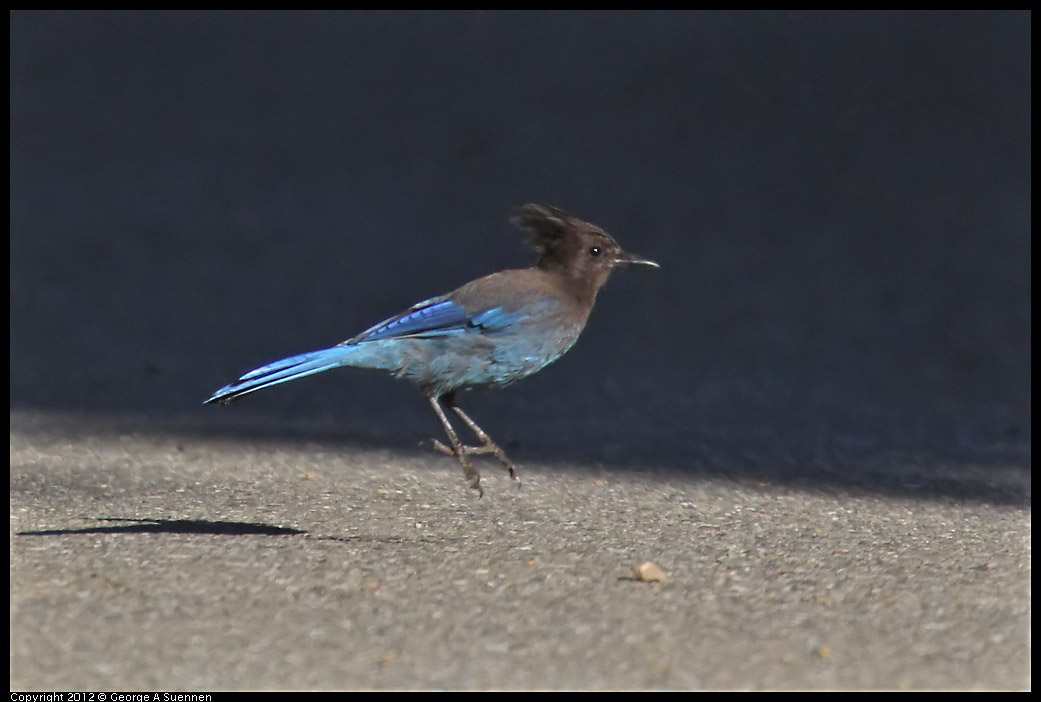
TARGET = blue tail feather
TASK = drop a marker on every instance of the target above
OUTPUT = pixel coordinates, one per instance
(282, 371)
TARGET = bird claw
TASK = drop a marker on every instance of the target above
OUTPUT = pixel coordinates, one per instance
(467, 450)
(479, 450)
(438, 446)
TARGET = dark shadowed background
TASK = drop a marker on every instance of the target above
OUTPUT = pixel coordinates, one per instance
(840, 203)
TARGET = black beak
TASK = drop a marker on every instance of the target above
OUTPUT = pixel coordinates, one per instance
(628, 259)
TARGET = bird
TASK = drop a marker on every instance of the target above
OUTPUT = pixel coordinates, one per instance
(489, 333)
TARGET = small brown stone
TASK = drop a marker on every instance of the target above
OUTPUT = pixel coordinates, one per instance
(648, 572)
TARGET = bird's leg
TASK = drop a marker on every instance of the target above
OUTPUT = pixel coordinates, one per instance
(457, 450)
(488, 446)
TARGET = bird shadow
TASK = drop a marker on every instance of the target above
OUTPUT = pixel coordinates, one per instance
(172, 526)
(219, 528)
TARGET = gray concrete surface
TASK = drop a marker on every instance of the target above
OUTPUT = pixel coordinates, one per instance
(815, 417)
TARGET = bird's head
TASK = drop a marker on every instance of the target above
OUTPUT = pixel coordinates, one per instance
(567, 246)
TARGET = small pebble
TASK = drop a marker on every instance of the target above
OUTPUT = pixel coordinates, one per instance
(648, 572)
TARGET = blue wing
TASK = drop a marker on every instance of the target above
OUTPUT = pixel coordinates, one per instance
(434, 317)
(438, 316)
(444, 316)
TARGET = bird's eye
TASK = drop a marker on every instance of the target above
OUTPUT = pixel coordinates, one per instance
(594, 251)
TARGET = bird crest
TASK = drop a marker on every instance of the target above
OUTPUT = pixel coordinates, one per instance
(547, 226)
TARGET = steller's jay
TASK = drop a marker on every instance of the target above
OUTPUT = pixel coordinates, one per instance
(489, 333)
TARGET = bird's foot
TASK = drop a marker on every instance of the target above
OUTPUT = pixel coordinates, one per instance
(475, 484)
(469, 472)
(489, 447)
(468, 450)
